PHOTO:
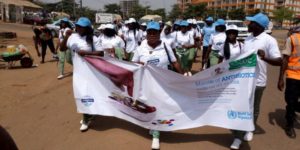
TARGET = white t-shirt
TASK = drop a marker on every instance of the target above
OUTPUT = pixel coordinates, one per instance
(157, 56)
(269, 45)
(132, 40)
(77, 42)
(62, 33)
(235, 49)
(109, 42)
(184, 39)
(168, 39)
(217, 40)
(122, 30)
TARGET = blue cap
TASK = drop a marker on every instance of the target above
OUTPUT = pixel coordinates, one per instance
(261, 19)
(219, 22)
(209, 19)
(177, 22)
(65, 19)
(84, 22)
(153, 25)
(184, 23)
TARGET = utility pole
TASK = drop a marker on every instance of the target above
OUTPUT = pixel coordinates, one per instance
(80, 7)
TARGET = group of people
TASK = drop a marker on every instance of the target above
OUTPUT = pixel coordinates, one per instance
(174, 46)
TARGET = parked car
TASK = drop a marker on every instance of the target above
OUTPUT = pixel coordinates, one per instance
(35, 19)
(55, 26)
(242, 27)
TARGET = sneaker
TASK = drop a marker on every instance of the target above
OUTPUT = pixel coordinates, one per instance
(248, 136)
(84, 126)
(189, 74)
(290, 132)
(236, 144)
(185, 74)
(155, 143)
(60, 76)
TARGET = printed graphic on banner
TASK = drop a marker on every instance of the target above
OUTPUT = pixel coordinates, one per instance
(159, 99)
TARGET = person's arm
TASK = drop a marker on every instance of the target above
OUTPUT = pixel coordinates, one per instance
(284, 65)
(272, 61)
(177, 66)
(63, 44)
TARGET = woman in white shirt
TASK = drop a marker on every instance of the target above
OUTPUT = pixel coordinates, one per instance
(111, 42)
(82, 43)
(63, 55)
(185, 47)
(232, 47)
(216, 43)
(155, 52)
(132, 38)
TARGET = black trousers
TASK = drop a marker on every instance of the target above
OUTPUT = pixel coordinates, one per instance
(292, 94)
(204, 53)
(46, 43)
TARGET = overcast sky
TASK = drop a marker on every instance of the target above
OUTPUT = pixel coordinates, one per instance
(98, 4)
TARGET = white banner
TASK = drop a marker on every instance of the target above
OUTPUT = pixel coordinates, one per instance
(159, 99)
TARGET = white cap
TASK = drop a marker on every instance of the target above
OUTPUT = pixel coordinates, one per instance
(190, 21)
(126, 22)
(194, 21)
(144, 24)
(109, 26)
(169, 23)
(131, 20)
(101, 27)
(232, 27)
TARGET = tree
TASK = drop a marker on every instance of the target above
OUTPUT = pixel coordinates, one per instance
(174, 13)
(282, 14)
(253, 12)
(138, 11)
(194, 11)
(112, 8)
(237, 14)
(221, 14)
(160, 12)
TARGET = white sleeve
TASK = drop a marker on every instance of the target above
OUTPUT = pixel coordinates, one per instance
(136, 55)
(69, 42)
(273, 50)
(192, 41)
(97, 44)
(171, 53)
(122, 43)
(221, 52)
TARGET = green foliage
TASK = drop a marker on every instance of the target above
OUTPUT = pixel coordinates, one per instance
(221, 14)
(161, 12)
(195, 10)
(253, 12)
(282, 14)
(237, 14)
(112, 8)
(174, 13)
(138, 11)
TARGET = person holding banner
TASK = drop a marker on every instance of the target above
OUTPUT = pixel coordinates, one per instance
(232, 48)
(154, 51)
(268, 52)
(82, 43)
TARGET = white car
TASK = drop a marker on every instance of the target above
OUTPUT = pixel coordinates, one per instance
(55, 26)
(242, 27)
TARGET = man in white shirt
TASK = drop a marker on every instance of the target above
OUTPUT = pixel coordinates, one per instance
(268, 52)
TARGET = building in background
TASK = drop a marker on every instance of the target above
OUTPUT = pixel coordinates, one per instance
(250, 6)
(13, 10)
(127, 5)
(183, 4)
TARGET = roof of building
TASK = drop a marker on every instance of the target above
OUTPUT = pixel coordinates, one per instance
(24, 3)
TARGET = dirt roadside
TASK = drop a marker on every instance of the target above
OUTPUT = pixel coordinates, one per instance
(39, 112)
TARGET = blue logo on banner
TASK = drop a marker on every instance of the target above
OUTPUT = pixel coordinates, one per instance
(231, 114)
(87, 101)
